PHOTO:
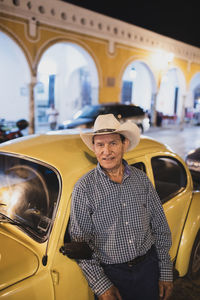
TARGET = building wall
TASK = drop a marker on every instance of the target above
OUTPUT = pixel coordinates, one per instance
(113, 44)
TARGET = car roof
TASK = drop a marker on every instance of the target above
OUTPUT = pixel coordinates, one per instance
(64, 148)
(35, 144)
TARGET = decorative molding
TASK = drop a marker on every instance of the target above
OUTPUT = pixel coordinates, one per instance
(20, 43)
(111, 47)
(32, 28)
(70, 17)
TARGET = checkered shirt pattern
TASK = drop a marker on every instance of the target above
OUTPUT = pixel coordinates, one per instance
(119, 222)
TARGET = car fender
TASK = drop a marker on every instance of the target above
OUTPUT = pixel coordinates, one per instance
(37, 287)
(190, 231)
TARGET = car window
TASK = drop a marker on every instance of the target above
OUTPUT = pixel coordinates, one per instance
(115, 110)
(29, 193)
(169, 175)
(89, 111)
(140, 165)
(133, 111)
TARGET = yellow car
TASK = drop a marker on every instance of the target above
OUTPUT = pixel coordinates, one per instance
(37, 176)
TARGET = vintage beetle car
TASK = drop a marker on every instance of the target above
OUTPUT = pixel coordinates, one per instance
(37, 177)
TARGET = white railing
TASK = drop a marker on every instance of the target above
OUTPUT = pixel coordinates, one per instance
(70, 17)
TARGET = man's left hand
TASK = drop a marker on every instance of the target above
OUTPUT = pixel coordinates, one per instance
(165, 289)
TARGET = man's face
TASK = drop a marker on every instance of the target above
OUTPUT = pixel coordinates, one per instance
(109, 150)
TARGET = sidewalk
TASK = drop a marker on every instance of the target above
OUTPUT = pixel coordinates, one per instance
(181, 139)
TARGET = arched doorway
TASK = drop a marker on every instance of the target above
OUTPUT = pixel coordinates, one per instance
(138, 85)
(67, 76)
(170, 97)
(193, 100)
(14, 81)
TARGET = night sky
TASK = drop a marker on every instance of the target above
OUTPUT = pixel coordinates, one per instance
(179, 20)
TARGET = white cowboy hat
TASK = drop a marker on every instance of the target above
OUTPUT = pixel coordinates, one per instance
(106, 124)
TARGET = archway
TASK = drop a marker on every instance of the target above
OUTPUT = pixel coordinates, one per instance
(67, 76)
(138, 85)
(193, 100)
(14, 81)
(170, 98)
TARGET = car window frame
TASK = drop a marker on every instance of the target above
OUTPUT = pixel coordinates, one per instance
(181, 188)
(54, 213)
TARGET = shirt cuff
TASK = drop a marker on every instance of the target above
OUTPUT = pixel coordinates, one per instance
(166, 275)
(102, 285)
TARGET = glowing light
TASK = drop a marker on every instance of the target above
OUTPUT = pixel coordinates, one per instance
(161, 59)
(11, 199)
(170, 56)
(133, 73)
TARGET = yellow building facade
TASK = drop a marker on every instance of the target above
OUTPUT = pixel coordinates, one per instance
(113, 45)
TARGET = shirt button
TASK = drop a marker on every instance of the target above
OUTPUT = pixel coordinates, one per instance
(130, 241)
(124, 204)
(127, 223)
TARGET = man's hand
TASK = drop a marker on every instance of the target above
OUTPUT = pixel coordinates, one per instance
(165, 289)
(111, 294)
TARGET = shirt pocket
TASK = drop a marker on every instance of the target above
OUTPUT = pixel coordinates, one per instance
(140, 213)
(106, 217)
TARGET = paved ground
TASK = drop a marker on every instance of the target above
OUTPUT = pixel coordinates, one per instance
(181, 140)
(184, 289)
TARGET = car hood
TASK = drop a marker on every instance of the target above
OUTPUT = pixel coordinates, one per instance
(78, 121)
(16, 262)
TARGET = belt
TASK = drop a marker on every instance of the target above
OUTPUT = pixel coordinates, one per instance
(135, 261)
(139, 259)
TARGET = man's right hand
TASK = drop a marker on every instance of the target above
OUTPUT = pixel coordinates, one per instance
(111, 294)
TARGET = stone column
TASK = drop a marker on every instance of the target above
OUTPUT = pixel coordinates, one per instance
(32, 105)
(182, 121)
(153, 109)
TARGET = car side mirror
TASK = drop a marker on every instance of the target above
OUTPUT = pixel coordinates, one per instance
(77, 250)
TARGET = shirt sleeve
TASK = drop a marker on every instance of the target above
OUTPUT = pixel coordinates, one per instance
(81, 230)
(161, 233)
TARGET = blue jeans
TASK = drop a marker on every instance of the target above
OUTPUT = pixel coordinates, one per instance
(139, 282)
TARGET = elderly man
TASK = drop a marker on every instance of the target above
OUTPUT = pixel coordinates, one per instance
(116, 210)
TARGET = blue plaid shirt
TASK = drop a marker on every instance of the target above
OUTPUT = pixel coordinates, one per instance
(119, 221)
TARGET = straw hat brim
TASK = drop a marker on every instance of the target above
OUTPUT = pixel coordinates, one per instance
(128, 129)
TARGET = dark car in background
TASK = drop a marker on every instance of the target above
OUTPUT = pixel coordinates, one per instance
(85, 118)
(193, 162)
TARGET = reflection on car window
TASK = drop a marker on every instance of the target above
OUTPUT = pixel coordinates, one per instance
(28, 194)
(169, 175)
(89, 111)
(140, 165)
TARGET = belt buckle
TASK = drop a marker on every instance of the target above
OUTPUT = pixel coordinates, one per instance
(136, 261)
(131, 264)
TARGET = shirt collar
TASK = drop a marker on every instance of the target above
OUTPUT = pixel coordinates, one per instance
(127, 170)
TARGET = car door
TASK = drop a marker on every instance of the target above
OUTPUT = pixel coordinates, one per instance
(173, 187)
(171, 182)
(68, 279)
